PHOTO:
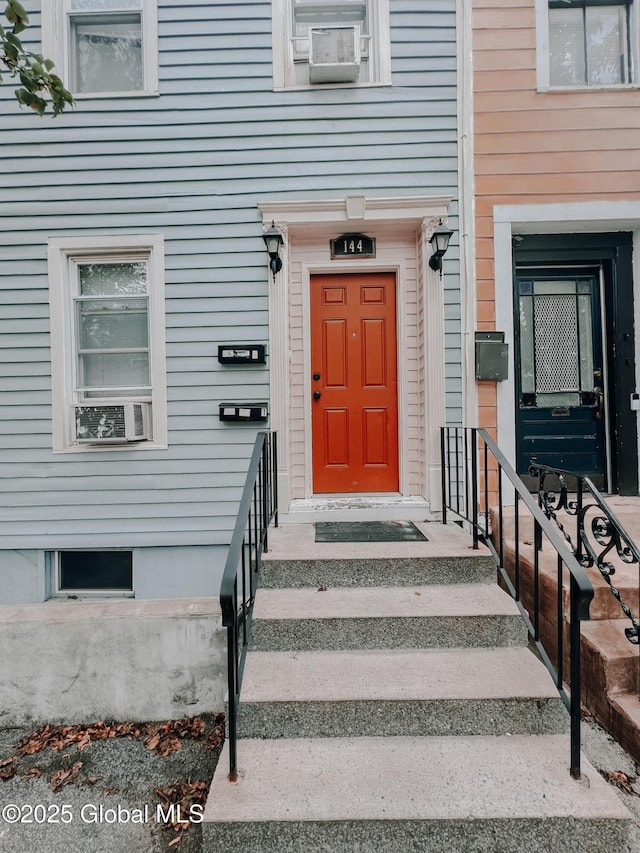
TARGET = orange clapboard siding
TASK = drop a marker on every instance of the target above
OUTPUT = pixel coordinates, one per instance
(538, 147)
(589, 184)
(571, 119)
(551, 163)
(505, 59)
(524, 142)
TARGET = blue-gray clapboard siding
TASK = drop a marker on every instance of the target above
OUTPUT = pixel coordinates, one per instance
(192, 164)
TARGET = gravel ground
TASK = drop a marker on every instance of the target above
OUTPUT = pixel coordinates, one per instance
(108, 804)
(614, 763)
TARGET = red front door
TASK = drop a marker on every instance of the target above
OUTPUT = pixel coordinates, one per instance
(354, 383)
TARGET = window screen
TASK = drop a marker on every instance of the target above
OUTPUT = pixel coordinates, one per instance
(95, 571)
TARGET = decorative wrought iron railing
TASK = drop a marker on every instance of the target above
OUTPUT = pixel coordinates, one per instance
(598, 537)
(478, 484)
(258, 508)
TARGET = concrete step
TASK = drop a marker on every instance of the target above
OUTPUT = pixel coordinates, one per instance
(386, 617)
(413, 692)
(295, 560)
(489, 794)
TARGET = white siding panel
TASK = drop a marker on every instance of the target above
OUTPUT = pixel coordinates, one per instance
(192, 164)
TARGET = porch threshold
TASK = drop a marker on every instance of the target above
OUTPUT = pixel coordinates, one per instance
(358, 507)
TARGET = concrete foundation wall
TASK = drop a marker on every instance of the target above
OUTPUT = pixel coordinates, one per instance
(80, 661)
(165, 572)
(24, 577)
(180, 572)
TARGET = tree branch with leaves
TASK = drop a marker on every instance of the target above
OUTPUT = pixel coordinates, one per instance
(39, 88)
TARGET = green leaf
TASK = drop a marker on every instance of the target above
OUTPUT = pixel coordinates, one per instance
(15, 13)
(11, 51)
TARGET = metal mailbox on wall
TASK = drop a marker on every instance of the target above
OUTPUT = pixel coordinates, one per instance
(242, 354)
(244, 412)
(492, 357)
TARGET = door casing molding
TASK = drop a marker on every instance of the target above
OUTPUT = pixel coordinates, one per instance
(553, 220)
(402, 228)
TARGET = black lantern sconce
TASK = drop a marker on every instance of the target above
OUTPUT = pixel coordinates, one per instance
(274, 241)
(439, 243)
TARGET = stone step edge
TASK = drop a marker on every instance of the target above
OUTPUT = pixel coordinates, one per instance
(422, 778)
(380, 602)
(360, 674)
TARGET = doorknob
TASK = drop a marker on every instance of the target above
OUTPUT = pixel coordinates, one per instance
(599, 407)
(316, 376)
(316, 395)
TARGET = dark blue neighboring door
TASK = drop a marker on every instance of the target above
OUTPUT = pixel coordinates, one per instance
(560, 404)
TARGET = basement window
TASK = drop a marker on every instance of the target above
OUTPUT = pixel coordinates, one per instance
(91, 573)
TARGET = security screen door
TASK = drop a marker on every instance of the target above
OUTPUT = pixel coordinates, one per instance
(560, 405)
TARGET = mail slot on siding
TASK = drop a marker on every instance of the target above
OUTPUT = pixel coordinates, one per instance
(242, 354)
(244, 412)
(492, 356)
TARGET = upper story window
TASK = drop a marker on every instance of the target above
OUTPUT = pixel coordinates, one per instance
(104, 47)
(107, 342)
(331, 42)
(586, 43)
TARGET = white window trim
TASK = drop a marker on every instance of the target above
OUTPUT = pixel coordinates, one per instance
(543, 74)
(55, 45)
(61, 251)
(379, 51)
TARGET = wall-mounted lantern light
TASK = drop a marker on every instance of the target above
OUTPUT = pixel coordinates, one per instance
(439, 243)
(274, 240)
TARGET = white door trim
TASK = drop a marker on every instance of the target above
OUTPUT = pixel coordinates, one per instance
(307, 227)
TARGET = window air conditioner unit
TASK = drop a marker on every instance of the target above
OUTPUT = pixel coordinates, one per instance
(334, 54)
(112, 424)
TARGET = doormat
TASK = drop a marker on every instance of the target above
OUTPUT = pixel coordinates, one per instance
(368, 531)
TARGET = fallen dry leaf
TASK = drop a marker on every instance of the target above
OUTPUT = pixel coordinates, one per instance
(620, 780)
(152, 743)
(8, 772)
(33, 773)
(185, 795)
(65, 776)
(161, 738)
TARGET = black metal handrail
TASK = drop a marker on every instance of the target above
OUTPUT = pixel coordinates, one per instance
(473, 473)
(599, 534)
(258, 508)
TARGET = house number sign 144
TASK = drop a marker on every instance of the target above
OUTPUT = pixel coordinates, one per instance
(349, 245)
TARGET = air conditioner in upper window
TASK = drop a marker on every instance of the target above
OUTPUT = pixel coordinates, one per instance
(112, 424)
(334, 54)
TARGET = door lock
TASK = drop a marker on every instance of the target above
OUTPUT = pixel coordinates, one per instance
(316, 395)
(316, 376)
(599, 407)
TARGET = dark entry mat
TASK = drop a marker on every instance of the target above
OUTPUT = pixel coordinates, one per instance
(368, 531)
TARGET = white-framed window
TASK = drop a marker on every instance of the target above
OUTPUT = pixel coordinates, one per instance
(331, 42)
(586, 43)
(103, 47)
(89, 573)
(107, 342)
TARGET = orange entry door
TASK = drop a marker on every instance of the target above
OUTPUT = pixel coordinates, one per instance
(354, 384)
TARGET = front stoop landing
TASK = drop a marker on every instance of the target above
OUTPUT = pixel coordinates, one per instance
(390, 703)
